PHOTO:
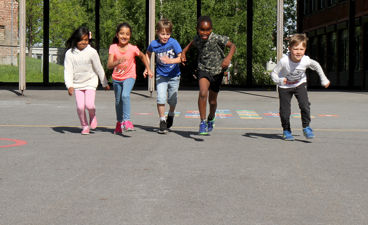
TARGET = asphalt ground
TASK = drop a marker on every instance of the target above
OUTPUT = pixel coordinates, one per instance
(242, 173)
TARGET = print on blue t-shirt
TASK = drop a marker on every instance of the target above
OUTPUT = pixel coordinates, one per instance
(171, 49)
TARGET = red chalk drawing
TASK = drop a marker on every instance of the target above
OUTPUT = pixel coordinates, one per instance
(15, 142)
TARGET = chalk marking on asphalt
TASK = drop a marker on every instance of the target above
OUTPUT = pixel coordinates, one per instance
(16, 142)
(191, 128)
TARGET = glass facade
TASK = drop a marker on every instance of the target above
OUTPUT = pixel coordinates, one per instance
(365, 47)
(312, 6)
(341, 51)
(331, 52)
(357, 48)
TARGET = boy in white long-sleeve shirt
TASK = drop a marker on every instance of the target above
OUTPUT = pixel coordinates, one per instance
(289, 75)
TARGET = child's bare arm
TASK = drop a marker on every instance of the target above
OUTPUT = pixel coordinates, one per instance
(183, 54)
(146, 64)
(165, 59)
(110, 62)
(227, 60)
(148, 57)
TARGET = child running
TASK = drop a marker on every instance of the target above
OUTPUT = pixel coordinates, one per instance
(168, 52)
(289, 75)
(212, 64)
(82, 68)
(122, 59)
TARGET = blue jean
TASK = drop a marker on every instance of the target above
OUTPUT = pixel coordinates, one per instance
(167, 88)
(122, 91)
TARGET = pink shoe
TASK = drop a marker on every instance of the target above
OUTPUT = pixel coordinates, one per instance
(85, 130)
(93, 123)
(128, 125)
(118, 128)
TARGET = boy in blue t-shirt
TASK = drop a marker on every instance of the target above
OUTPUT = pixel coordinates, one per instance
(168, 52)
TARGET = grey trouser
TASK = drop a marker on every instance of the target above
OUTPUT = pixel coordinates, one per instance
(301, 94)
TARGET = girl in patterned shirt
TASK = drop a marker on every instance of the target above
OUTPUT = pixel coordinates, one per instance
(212, 63)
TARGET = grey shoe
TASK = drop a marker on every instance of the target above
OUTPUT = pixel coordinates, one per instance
(163, 127)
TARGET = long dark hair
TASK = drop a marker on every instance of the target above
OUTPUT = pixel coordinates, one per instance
(115, 40)
(77, 36)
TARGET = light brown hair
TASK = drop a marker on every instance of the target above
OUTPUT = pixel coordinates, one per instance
(296, 39)
(164, 24)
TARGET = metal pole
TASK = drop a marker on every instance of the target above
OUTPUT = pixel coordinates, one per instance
(46, 44)
(280, 28)
(97, 24)
(199, 10)
(280, 31)
(352, 50)
(299, 16)
(249, 43)
(151, 37)
(22, 40)
(11, 33)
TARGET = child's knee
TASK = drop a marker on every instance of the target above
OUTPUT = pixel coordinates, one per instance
(125, 97)
(203, 98)
(212, 102)
(305, 107)
(90, 107)
(203, 94)
(172, 101)
(80, 109)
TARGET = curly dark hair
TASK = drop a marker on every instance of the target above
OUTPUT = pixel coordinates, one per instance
(204, 19)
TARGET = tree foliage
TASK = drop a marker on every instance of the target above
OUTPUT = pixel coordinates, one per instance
(33, 23)
(65, 17)
(228, 16)
(289, 17)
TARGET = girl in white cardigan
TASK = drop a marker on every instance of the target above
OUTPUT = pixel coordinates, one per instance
(82, 68)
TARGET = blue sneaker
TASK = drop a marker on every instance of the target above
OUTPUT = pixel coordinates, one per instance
(308, 133)
(210, 125)
(203, 128)
(287, 136)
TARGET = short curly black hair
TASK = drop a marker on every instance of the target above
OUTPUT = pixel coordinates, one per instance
(204, 19)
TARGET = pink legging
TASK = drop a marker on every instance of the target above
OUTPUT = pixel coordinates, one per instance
(85, 99)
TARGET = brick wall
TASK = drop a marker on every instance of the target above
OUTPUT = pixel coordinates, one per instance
(8, 36)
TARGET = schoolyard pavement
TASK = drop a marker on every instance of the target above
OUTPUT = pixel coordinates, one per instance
(242, 173)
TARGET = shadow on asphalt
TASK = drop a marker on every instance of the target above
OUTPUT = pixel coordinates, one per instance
(67, 129)
(16, 92)
(259, 95)
(185, 134)
(77, 130)
(272, 136)
(142, 95)
(256, 135)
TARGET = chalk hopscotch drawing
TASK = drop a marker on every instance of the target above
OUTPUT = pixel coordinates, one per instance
(271, 114)
(193, 114)
(248, 114)
(328, 115)
(223, 113)
(176, 114)
(143, 113)
(220, 114)
(298, 116)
